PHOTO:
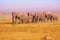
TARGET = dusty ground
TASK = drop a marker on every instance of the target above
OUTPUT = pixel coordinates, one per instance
(32, 31)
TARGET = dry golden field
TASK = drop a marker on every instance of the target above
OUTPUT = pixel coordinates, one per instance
(30, 31)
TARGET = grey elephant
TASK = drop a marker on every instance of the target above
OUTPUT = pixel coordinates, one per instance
(50, 17)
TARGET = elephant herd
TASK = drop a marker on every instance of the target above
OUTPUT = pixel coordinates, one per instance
(32, 17)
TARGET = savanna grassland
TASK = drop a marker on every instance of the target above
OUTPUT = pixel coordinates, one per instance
(29, 31)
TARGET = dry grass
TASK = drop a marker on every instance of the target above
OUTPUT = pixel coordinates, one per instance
(31, 31)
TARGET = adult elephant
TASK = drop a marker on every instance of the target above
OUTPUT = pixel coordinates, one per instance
(23, 18)
(41, 17)
(18, 17)
(49, 16)
(38, 17)
(34, 17)
(15, 17)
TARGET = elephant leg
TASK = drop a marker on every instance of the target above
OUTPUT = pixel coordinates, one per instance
(13, 21)
(32, 19)
(16, 19)
(22, 21)
(55, 19)
(27, 21)
(36, 20)
(51, 18)
(48, 19)
(40, 20)
(19, 19)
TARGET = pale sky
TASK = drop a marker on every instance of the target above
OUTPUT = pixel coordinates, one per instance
(29, 5)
